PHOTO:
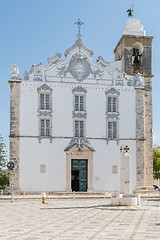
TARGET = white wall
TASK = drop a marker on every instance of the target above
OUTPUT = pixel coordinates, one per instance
(33, 153)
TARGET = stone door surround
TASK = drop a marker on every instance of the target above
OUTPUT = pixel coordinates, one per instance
(79, 155)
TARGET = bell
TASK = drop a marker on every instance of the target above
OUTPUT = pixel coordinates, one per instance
(136, 60)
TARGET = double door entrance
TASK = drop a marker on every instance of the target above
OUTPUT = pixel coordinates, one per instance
(79, 175)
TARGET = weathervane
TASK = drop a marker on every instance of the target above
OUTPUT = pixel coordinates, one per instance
(79, 23)
(130, 12)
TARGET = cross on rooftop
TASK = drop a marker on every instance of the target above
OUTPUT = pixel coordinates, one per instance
(79, 23)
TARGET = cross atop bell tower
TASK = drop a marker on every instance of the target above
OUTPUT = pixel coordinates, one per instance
(79, 23)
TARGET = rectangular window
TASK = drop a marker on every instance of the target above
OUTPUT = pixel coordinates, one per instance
(79, 103)
(112, 130)
(79, 128)
(45, 127)
(112, 104)
(44, 101)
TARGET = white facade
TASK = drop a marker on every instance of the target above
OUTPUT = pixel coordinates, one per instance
(43, 160)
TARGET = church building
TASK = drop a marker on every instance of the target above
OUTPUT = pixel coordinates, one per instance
(69, 119)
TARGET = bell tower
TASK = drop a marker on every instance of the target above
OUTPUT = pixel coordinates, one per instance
(134, 49)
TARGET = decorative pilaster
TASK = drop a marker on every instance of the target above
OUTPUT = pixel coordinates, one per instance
(14, 129)
(140, 154)
(148, 133)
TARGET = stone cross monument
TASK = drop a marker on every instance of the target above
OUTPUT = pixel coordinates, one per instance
(125, 197)
(125, 170)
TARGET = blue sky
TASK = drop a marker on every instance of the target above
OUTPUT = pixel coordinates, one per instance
(32, 30)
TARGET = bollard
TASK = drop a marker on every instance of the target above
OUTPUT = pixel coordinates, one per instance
(24, 194)
(43, 196)
(47, 193)
(148, 192)
(74, 195)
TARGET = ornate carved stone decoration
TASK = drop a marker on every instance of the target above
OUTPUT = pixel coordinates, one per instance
(44, 87)
(80, 45)
(38, 79)
(26, 76)
(62, 71)
(55, 59)
(32, 68)
(14, 72)
(138, 80)
(79, 142)
(79, 89)
(112, 91)
(130, 83)
(112, 115)
(79, 67)
(44, 113)
(79, 114)
(98, 73)
(119, 83)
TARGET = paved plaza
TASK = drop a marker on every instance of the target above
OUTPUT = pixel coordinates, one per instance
(29, 219)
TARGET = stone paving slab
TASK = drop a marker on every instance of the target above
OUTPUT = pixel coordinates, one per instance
(66, 219)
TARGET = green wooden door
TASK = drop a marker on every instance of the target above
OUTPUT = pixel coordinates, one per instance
(82, 167)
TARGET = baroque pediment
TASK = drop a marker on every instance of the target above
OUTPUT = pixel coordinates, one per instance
(79, 145)
(80, 67)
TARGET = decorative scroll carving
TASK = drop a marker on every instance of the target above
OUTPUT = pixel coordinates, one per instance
(44, 113)
(119, 83)
(112, 91)
(14, 72)
(26, 76)
(98, 73)
(44, 87)
(79, 114)
(79, 89)
(79, 143)
(55, 59)
(138, 80)
(62, 71)
(112, 115)
(39, 79)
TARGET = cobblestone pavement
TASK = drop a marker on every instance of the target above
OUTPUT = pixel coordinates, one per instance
(80, 219)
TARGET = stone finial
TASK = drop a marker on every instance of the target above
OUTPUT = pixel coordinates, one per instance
(14, 72)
